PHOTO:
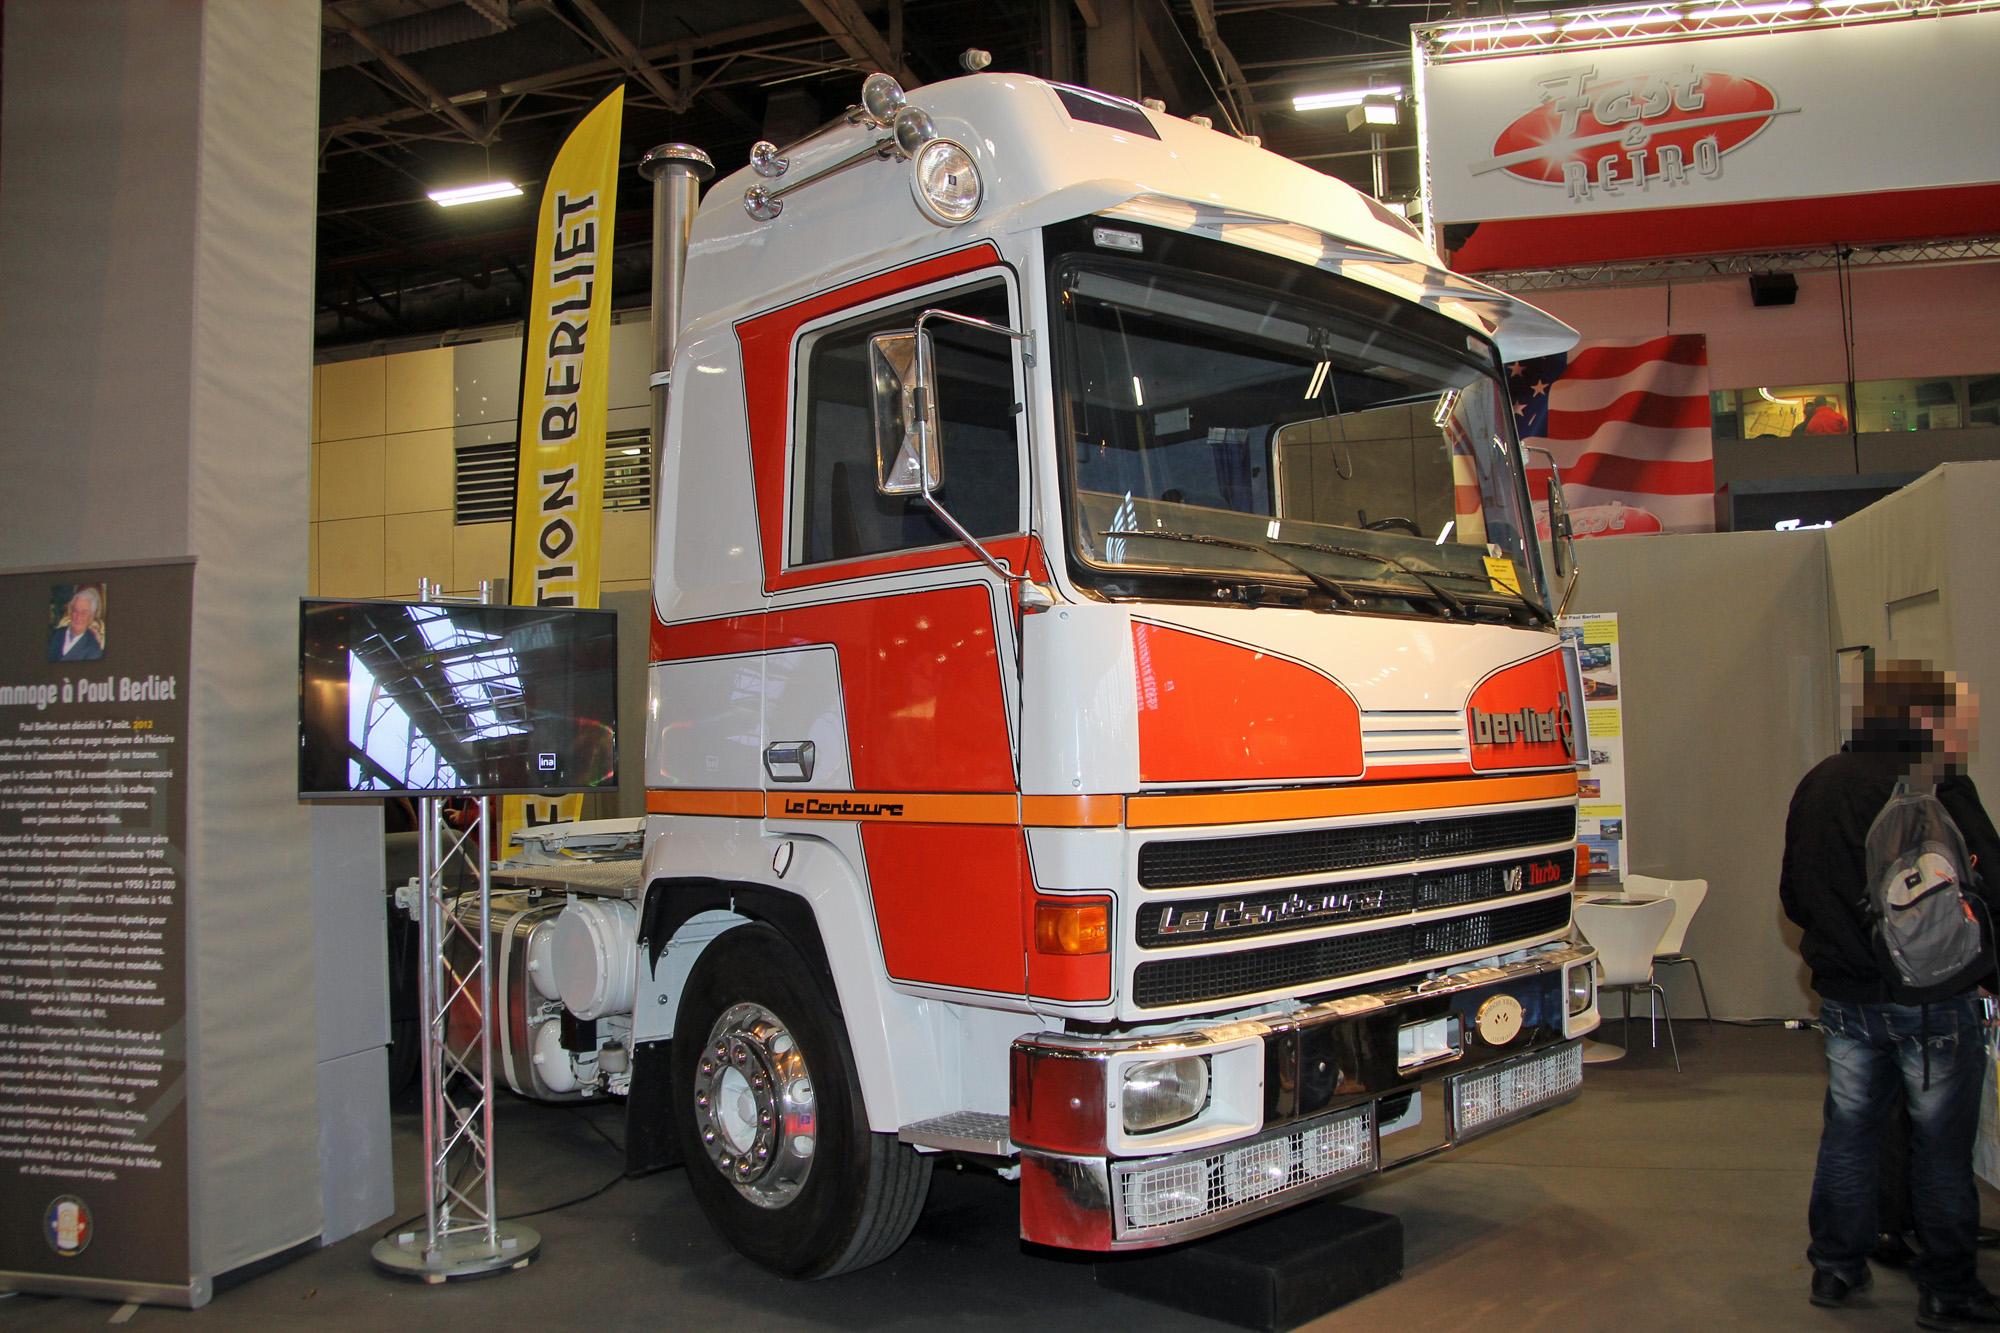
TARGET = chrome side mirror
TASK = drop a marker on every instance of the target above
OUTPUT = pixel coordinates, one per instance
(1559, 531)
(905, 409)
(908, 456)
(1562, 537)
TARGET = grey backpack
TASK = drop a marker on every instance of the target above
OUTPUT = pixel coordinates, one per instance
(1917, 864)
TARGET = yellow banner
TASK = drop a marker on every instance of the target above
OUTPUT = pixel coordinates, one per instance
(565, 362)
(565, 366)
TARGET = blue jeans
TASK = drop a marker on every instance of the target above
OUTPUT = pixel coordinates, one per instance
(1869, 1048)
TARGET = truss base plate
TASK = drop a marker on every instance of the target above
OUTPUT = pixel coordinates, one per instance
(465, 1254)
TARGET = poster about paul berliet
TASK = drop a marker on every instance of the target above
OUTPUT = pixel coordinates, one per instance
(93, 713)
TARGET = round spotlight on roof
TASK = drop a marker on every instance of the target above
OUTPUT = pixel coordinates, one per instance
(946, 183)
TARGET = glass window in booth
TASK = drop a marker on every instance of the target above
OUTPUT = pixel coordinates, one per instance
(1982, 400)
(1899, 405)
(1799, 409)
(1725, 418)
(840, 514)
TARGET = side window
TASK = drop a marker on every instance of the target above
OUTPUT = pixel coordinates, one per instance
(838, 513)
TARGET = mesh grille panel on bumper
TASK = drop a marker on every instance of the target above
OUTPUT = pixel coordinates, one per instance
(1174, 865)
(1171, 981)
(1167, 1195)
(1488, 1098)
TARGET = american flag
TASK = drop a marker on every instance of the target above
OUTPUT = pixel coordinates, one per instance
(1628, 423)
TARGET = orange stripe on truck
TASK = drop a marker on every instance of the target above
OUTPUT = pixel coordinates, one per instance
(989, 808)
(1325, 802)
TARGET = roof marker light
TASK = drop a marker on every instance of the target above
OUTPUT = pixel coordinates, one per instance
(474, 194)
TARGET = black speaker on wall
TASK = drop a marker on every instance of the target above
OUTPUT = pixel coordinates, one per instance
(1773, 289)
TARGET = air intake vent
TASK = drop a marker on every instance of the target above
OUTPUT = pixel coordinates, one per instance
(1175, 865)
(628, 470)
(1299, 967)
(484, 489)
(487, 472)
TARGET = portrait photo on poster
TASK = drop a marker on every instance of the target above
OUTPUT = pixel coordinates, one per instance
(76, 622)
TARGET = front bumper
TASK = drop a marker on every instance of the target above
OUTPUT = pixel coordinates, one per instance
(1295, 1100)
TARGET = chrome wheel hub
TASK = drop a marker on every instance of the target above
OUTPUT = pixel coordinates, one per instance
(754, 1106)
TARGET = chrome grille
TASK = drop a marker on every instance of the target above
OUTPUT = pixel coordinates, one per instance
(1308, 963)
(1165, 864)
(1177, 924)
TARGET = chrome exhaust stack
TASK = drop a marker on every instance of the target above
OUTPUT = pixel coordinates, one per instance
(676, 171)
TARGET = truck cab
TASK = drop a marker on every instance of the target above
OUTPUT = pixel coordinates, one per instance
(1106, 716)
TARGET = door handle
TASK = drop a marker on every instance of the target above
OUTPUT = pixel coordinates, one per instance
(789, 761)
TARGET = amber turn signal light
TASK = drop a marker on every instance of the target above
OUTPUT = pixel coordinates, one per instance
(1072, 928)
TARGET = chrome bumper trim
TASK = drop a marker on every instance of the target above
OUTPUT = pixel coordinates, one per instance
(1545, 959)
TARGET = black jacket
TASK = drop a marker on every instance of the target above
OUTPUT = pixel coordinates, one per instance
(1824, 889)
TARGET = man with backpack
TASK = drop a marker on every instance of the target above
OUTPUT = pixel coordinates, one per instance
(1884, 845)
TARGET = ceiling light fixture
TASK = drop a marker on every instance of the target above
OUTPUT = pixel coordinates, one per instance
(1346, 97)
(474, 194)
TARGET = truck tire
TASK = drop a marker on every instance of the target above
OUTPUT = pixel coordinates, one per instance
(769, 1110)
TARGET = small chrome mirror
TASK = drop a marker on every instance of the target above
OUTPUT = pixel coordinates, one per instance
(881, 97)
(905, 407)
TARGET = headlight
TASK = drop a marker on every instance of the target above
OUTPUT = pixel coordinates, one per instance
(946, 183)
(1582, 987)
(1163, 1093)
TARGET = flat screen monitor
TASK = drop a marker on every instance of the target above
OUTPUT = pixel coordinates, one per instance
(431, 698)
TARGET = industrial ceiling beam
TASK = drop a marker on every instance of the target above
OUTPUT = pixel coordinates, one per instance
(676, 99)
(1234, 86)
(590, 69)
(493, 11)
(857, 35)
(421, 93)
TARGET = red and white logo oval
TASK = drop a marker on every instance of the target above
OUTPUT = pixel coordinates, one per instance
(1660, 126)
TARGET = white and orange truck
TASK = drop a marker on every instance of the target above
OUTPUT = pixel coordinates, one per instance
(1106, 719)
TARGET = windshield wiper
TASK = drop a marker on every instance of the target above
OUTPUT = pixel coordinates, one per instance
(1324, 583)
(1355, 552)
(1425, 576)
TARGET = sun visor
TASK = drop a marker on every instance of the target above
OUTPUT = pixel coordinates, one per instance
(1517, 328)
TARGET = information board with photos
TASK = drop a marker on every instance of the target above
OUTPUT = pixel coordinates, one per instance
(1600, 812)
(93, 994)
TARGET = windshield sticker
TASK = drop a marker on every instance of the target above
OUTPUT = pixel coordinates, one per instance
(1503, 574)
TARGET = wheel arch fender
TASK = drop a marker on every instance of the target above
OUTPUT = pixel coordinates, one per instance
(681, 916)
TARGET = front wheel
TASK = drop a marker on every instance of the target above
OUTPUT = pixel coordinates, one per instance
(765, 1098)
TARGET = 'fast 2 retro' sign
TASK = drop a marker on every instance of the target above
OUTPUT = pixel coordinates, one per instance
(1668, 130)
(1583, 129)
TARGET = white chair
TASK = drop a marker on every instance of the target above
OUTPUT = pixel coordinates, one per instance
(1687, 895)
(1626, 931)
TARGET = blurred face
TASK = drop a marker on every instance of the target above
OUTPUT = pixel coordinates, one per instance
(82, 610)
(1953, 730)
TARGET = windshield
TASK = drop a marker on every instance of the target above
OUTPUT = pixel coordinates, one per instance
(1276, 447)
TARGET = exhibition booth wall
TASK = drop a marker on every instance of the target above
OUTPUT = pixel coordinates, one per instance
(1730, 685)
(405, 447)
(412, 479)
(1927, 325)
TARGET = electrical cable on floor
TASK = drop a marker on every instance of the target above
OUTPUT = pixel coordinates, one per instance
(596, 1129)
(566, 1203)
(616, 1147)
